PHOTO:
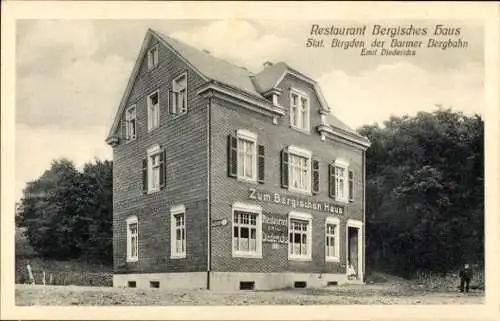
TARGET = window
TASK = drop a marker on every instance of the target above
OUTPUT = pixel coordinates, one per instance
(247, 237)
(179, 95)
(132, 239)
(332, 245)
(153, 57)
(154, 170)
(154, 110)
(299, 241)
(299, 110)
(299, 169)
(130, 123)
(245, 157)
(341, 180)
(178, 232)
(247, 160)
(341, 184)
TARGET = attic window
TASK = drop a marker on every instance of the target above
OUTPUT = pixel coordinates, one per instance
(153, 57)
(299, 110)
(179, 95)
(130, 123)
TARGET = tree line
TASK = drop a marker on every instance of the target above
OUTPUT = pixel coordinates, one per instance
(424, 198)
(425, 192)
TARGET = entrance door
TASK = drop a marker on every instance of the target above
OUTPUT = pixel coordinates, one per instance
(354, 250)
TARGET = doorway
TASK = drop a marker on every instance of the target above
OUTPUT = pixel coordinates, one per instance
(354, 251)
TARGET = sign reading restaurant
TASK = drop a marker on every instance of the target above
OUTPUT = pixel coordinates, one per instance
(294, 202)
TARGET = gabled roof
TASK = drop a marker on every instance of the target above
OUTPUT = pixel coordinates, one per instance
(269, 78)
(212, 68)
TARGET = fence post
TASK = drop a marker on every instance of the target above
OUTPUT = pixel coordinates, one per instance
(43, 279)
(51, 279)
(30, 273)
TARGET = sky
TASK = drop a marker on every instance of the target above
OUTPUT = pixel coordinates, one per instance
(71, 75)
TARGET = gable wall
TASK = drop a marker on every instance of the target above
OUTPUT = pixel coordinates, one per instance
(185, 139)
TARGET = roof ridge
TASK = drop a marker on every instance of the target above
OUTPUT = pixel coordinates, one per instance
(203, 51)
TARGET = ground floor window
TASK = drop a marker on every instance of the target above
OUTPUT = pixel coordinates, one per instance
(247, 235)
(332, 241)
(132, 239)
(300, 236)
(178, 232)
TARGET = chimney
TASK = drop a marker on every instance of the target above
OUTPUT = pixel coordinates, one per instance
(267, 64)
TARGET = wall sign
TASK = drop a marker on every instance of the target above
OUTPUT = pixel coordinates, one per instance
(274, 228)
(294, 202)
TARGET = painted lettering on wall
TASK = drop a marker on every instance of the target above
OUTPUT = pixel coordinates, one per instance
(294, 202)
(274, 228)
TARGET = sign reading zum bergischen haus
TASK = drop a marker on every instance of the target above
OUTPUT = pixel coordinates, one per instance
(294, 202)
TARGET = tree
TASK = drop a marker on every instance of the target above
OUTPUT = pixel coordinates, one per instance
(425, 193)
(67, 213)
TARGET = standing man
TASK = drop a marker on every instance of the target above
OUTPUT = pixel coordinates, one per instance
(465, 277)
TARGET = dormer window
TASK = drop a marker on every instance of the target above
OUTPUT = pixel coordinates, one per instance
(153, 57)
(299, 110)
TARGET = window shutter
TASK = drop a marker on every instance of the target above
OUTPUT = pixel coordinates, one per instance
(145, 175)
(232, 155)
(315, 176)
(351, 186)
(284, 168)
(163, 169)
(261, 164)
(170, 103)
(123, 134)
(331, 180)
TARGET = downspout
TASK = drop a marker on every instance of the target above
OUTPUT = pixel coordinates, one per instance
(209, 190)
(364, 215)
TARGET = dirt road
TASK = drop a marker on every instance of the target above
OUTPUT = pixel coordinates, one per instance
(346, 294)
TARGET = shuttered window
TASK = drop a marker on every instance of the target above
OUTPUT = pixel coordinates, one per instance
(296, 170)
(341, 184)
(245, 159)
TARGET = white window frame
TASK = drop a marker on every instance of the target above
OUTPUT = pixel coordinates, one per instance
(300, 110)
(254, 209)
(176, 87)
(245, 135)
(128, 119)
(153, 59)
(132, 220)
(333, 221)
(152, 112)
(152, 152)
(302, 217)
(175, 211)
(343, 164)
(304, 153)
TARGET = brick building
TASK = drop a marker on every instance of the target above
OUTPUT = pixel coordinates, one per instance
(227, 179)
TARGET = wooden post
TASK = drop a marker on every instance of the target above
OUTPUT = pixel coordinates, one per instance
(51, 279)
(30, 273)
(43, 277)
